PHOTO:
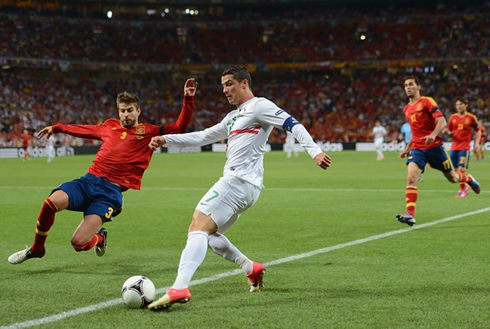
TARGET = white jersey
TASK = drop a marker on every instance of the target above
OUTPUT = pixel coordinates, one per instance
(379, 132)
(247, 130)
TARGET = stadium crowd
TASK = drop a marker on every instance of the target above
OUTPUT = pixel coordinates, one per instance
(336, 102)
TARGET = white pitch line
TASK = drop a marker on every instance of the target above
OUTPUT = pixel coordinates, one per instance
(97, 307)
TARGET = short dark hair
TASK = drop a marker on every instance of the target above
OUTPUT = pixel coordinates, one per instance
(239, 73)
(413, 77)
(463, 100)
(127, 98)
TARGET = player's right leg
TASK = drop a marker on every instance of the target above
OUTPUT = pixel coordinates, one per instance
(411, 192)
(54, 203)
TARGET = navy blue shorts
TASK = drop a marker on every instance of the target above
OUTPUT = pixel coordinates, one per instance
(94, 196)
(460, 158)
(436, 157)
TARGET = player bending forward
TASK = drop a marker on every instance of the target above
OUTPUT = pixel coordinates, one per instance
(118, 166)
(246, 129)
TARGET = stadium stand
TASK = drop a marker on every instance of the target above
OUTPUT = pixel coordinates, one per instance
(64, 65)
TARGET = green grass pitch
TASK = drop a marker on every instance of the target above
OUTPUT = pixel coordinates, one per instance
(308, 227)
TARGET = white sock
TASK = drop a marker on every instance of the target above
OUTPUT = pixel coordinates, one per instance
(192, 257)
(220, 245)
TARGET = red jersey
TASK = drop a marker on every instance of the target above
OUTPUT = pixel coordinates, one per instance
(462, 127)
(124, 154)
(483, 134)
(421, 117)
(25, 139)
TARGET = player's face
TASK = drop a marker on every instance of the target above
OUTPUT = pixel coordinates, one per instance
(411, 88)
(233, 89)
(461, 107)
(128, 115)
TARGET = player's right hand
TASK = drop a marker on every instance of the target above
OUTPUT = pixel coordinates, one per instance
(156, 142)
(46, 131)
(403, 153)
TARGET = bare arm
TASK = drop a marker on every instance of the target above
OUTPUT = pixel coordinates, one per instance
(441, 123)
(405, 151)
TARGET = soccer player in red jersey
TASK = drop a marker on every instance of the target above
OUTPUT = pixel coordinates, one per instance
(118, 166)
(481, 153)
(426, 147)
(461, 126)
(26, 142)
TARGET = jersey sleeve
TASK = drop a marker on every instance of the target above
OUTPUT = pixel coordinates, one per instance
(180, 126)
(207, 136)
(433, 108)
(450, 123)
(82, 131)
(271, 114)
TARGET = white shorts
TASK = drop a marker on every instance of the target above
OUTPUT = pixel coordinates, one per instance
(227, 200)
(378, 142)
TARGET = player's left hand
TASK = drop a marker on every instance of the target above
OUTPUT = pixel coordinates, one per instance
(190, 87)
(323, 160)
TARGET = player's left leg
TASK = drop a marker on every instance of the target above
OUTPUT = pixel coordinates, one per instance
(89, 234)
(463, 186)
(223, 247)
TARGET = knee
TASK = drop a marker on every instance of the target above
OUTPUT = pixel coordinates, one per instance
(412, 180)
(202, 222)
(78, 244)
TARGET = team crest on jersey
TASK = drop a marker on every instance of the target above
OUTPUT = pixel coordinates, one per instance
(140, 130)
(419, 107)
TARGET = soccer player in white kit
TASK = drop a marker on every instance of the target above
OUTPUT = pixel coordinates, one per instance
(379, 133)
(50, 150)
(246, 129)
(289, 145)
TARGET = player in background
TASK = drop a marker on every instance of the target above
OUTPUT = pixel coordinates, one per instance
(426, 147)
(405, 133)
(50, 150)
(246, 129)
(118, 166)
(481, 153)
(289, 145)
(461, 126)
(26, 142)
(379, 132)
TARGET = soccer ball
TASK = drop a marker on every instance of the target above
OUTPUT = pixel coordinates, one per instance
(138, 291)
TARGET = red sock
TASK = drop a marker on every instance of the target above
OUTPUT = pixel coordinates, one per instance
(463, 178)
(96, 239)
(44, 223)
(411, 195)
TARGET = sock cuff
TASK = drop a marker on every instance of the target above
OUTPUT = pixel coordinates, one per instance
(198, 233)
(51, 205)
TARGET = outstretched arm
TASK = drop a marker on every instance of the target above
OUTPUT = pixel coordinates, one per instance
(46, 131)
(180, 126)
(305, 139)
